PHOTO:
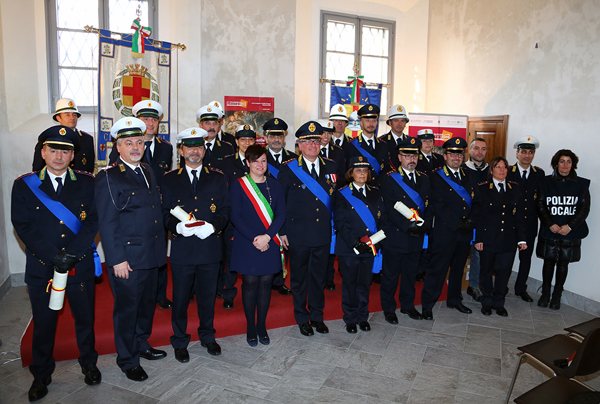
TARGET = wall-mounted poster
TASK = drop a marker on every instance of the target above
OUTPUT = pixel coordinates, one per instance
(444, 126)
(253, 111)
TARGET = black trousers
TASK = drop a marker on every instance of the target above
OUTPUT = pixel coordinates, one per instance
(203, 279)
(227, 278)
(135, 301)
(330, 269)
(524, 266)
(308, 267)
(403, 267)
(81, 301)
(494, 291)
(447, 253)
(356, 283)
(163, 279)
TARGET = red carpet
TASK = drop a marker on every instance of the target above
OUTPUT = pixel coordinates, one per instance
(227, 322)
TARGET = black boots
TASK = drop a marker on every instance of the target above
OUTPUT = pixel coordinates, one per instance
(562, 268)
(547, 275)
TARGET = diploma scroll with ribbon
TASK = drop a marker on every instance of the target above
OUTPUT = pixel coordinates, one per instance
(371, 241)
(183, 216)
(58, 284)
(410, 214)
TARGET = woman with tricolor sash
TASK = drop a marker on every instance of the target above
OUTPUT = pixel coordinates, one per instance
(358, 213)
(258, 212)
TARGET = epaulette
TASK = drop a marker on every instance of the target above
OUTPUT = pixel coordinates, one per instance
(391, 172)
(229, 155)
(512, 182)
(328, 159)
(334, 145)
(371, 187)
(84, 173)
(382, 136)
(179, 171)
(486, 182)
(25, 175)
(346, 186)
(421, 173)
(289, 161)
(146, 165)
(161, 140)
(113, 165)
(216, 170)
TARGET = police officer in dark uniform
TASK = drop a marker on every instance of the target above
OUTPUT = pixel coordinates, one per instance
(455, 201)
(429, 161)
(275, 130)
(339, 116)
(61, 240)
(308, 185)
(216, 150)
(133, 239)
(397, 120)
(85, 157)
(222, 136)
(158, 154)
(500, 228)
(528, 177)
(196, 251)
(405, 237)
(234, 167)
(367, 144)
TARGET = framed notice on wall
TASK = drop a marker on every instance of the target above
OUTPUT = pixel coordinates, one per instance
(254, 111)
(444, 126)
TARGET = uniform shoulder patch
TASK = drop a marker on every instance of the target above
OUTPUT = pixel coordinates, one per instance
(285, 163)
(215, 170)
(512, 182)
(26, 175)
(146, 165)
(483, 183)
(85, 173)
(390, 172)
(345, 186)
(421, 173)
(163, 141)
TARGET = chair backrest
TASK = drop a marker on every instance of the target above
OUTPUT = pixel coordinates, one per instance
(587, 359)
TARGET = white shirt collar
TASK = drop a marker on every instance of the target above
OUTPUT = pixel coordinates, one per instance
(189, 171)
(496, 182)
(309, 165)
(54, 177)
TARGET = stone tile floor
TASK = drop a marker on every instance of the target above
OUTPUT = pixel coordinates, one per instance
(455, 359)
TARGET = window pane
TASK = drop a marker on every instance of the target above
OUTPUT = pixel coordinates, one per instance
(375, 41)
(76, 13)
(123, 12)
(78, 85)
(339, 66)
(77, 48)
(374, 69)
(340, 37)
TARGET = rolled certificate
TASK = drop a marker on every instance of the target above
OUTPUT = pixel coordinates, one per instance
(183, 216)
(377, 237)
(410, 214)
(57, 295)
(371, 241)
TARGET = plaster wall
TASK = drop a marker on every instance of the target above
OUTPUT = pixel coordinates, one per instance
(482, 60)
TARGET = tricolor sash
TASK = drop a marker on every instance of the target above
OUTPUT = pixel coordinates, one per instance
(262, 207)
(367, 217)
(459, 189)
(372, 160)
(61, 212)
(416, 198)
(273, 170)
(314, 187)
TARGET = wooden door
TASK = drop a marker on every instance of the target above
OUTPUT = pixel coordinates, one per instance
(491, 128)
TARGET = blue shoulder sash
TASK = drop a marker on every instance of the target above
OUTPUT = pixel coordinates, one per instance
(416, 198)
(273, 170)
(367, 217)
(318, 191)
(372, 160)
(459, 189)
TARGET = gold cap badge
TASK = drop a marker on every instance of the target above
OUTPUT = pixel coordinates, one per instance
(457, 141)
(246, 127)
(312, 127)
(208, 109)
(370, 108)
(62, 131)
(71, 104)
(399, 108)
(341, 109)
(276, 122)
(412, 141)
(193, 131)
(128, 123)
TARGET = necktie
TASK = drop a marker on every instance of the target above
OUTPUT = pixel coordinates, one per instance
(244, 162)
(138, 171)
(524, 175)
(195, 180)
(313, 172)
(324, 152)
(277, 158)
(398, 141)
(501, 186)
(428, 158)
(361, 191)
(60, 185)
(370, 142)
(208, 151)
(338, 142)
(148, 153)
(412, 180)
(457, 177)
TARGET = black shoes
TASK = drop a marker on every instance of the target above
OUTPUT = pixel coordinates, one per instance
(420, 277)
(306, 329)
(265, 340)
(364, 326)
(182, 355)
(501, 311)
(38, 389)
(137, 374)
(282, 289)
(329, 285)
(427, 314)
(391, 318)
(460, 307)
(165, 304)
(351, 328)
(228, 304)
(212, 348)
(377, 278)
(555, 303)
(152, 354)
(486, 310)
(475, 293)
(92, 374)
(525, 296)
(544, 300)
(320, 327)
(412, 313)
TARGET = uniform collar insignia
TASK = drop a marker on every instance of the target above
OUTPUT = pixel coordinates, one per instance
(43, 173)
(72, 174)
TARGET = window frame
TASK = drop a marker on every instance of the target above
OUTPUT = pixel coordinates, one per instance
(359, 22)
(52, 46)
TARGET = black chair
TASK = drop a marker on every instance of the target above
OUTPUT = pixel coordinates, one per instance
(559, 390)
(579, 331)
(550, 351)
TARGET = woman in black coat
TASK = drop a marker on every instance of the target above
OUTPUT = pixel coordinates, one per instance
(563, 206)
(352, 201)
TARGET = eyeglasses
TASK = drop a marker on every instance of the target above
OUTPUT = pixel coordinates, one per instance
(409, 156)
(312, 141)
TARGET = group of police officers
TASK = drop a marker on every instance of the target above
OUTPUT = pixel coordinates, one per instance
(58, 209)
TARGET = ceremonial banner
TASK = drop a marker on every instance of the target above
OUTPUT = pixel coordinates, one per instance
(343, 92)
(444, 126)
(124, 80)
(253, 111)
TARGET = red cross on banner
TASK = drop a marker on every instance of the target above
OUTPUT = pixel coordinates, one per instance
(135, 89)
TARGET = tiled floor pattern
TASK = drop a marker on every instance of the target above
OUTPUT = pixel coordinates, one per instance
(455, 359)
